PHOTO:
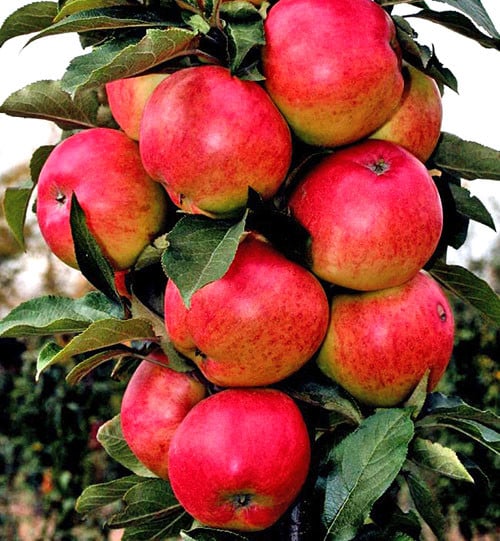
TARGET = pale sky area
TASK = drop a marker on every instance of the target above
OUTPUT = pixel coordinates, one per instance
(473, 114)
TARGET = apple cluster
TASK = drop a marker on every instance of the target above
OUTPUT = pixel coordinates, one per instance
(199, 138)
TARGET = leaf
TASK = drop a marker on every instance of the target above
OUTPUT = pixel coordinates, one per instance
(73, 6)
(85, 367)
(471, 206)
(15, 206)
(468, 287)
(417, 398)
(200, 251)
(46, 100)
(436, 457)
(426, 505)
(110, 436)
(467, 159)
(362, 467)
(117, 58)
(101, 334)
(475, 10)
(28, 19)
(51, 315)
(211, 534)
(91, 261)
(96, 496)
(38, 159)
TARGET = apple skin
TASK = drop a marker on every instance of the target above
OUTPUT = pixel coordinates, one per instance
(380, 344)
(154, 403)
(374, 215)
(259, 323)
(239, 458)
(125, 209)
(208, 136)
(416, 123)
(334, 80)
(127, 98)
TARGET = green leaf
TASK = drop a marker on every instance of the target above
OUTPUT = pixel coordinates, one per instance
(467, 159)
(471, 206)
(73, 6)
(475, 10)
(436, 457)
(362, 467)
(211, 534)
(98, 335)
(51, 315)
(468, 287)
(200, 251)
(110, 436)
(91, 261)
(46, 100)
(85, 367)
(28, 19)
(426, 504)
(96, 496)
(15, 206)
(118, 58)
(417, 398)
(38, 159)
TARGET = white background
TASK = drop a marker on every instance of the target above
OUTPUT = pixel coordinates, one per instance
(473, 114)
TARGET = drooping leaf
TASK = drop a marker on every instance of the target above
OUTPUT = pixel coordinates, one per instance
(73, 6)
(38, 159)
(362, 467)
(200, 251)
(28, 19)
(467, 159)
(96, 496)
(51, 315)
(46, 100)
(426, 504)
(468, 287)
(110, 436)
(118, 58)
(471, 206)
(436, 457)
(211, 534)
(15, 206)
(98, 335)
(475, 10)
(91, 261)
(84, 368)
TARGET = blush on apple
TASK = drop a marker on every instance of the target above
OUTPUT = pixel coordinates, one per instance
(155, 402)
(209, 136)
(332, 67)
(239, 458)
(380, 344)
(125, 209)
(374, 215)
(259, 323)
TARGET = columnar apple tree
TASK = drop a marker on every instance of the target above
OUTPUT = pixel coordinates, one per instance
(262, 199)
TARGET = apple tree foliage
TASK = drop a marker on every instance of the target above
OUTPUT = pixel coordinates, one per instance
(363, 458)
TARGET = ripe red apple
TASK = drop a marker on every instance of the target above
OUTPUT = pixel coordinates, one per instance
(374, 215)
(155, 402)
(332, 67)
(125, 209)
(208, 136)
(380, 344)
(416, 123)
(256, 325)
(127, 98)
(240, 458)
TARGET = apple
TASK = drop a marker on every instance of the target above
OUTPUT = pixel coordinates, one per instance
(208, 136)
(155, 401)
(239, 458)
(374, 215)
(416, 123)
(127, 98)
(125, 209)
(259, 323)
(332, 67)
(380, 344)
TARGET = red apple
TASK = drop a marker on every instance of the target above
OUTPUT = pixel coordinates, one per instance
(125, 209)
(332, 67)
(208, 136)
(416, 123)
(380, 344)
(155, 402)
(127, 98)
(240, 458)
(256, 325)
(374, 215)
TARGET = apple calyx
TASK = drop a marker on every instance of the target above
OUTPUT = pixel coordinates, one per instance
(379, 167)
